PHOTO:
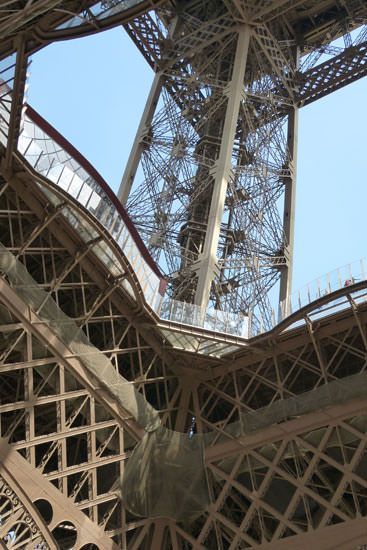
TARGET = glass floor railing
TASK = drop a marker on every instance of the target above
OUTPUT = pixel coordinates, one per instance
(57, 160)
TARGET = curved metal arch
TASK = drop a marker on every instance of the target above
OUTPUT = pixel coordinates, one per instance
(45, 126)
(27, 485)
(83, 214)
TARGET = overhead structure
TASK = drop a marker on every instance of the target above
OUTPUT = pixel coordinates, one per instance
(211, 179)
(132, 415)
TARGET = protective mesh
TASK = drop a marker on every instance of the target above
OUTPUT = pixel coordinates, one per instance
(332, 393)
(75, 339)
(165, 476)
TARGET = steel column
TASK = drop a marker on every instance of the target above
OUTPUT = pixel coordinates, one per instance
(207, 263)
(138, 145)
(289, 206)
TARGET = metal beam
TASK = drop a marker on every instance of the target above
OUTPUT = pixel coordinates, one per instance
(289, 206)
(17, 95)
(30, 485)
(138, 145)
(343, 69)
(207, 264)
(290, 428)
(35, 325)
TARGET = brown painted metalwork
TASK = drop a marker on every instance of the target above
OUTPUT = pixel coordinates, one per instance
(218, 174)
(277, 422)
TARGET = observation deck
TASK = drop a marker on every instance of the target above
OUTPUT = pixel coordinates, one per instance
(186, 326)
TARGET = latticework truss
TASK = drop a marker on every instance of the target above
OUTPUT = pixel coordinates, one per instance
(267, 483)
(121, 429)
(52, 412)
(214, 158)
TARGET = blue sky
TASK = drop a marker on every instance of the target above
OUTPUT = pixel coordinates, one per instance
(93, 91)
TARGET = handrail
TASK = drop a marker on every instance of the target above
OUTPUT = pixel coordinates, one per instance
(89, 168)
(53, 157)
(337, 279)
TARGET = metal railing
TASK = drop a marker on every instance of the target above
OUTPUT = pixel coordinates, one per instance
(209, 319)
(56, 159)
(237, 324)
(339, 278)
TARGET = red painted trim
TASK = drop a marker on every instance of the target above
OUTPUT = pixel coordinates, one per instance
(84, 163)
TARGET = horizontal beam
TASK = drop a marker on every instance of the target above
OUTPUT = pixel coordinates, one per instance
(288, 429)
(43, 21)
(343, 69)
(345, 536)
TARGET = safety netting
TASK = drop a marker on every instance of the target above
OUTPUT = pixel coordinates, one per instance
(75, 339)
(165, 475)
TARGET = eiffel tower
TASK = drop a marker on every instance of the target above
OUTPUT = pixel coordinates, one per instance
(162, 386)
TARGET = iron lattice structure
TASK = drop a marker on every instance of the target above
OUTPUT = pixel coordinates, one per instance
(298, 482)
(210, 182)
(118, 428)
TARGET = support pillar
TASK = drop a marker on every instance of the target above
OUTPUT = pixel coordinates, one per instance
(158, 534)
(207, 264)
(289, 209)
(138, 145)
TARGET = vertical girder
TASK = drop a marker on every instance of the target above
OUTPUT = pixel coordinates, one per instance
(214, 159)
(289, 204)
(137, 149)
(172, 200)
(221, 171)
